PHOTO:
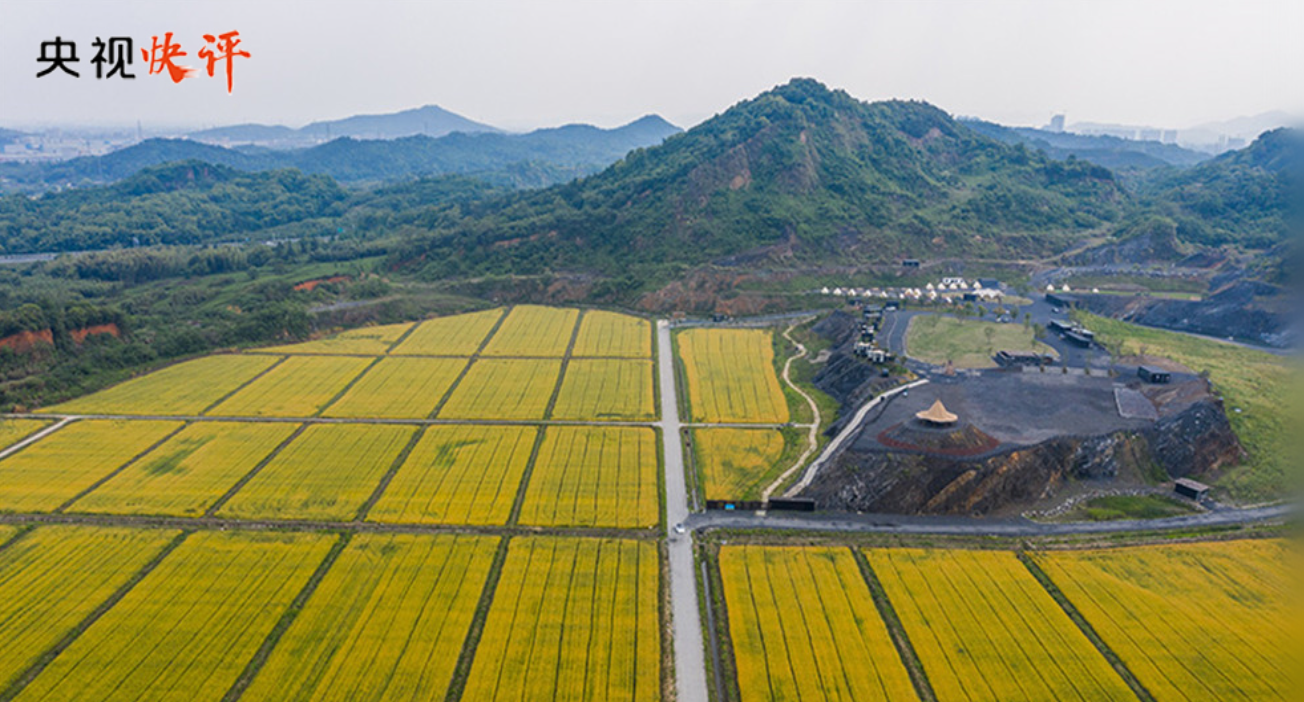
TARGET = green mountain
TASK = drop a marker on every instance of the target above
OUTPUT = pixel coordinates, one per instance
(1248, 198)
(535, 159)
(798, 172)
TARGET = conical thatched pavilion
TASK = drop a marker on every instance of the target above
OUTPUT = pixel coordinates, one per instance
(937, 415)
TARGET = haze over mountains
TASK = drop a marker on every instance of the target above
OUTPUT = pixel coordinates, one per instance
(429, 120)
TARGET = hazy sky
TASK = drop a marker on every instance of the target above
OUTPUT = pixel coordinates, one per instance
(536, 63)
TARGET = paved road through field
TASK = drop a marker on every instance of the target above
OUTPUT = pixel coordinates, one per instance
(690, 664)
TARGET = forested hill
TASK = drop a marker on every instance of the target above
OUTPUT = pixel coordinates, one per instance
(535, 159)
(799, 171)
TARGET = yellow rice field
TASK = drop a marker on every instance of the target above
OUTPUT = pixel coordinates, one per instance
(188, 472)
(606, 389)
(572, 619)
(985, 629)
(366, 341)
(1192, 621)
(182, 389)
(55, 576)
(45, 474)
(594, 476)
(386, 623)
(500, 388)
(613, 335)
(803, 626)
(300, 387)
(458, 474)
(730, 376)
(186, 631)
(398, 388)
(737, 464)
(531, 330)
(459, 335)
(327, 472)
(14, 430)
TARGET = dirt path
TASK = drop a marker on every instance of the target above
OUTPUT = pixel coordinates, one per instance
(813, 429)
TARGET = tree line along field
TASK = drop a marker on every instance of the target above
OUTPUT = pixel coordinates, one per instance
(1186, 622)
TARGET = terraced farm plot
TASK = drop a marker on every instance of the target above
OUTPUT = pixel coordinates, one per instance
(458, 474)
(1191, 621)
(14, 430)
(499, 388)
(186, 631)
(572, 619)
(595, 477)
(387, 622)
(366, 341)
(458, 335)
(730, 376)
(54, 577)
(327, 472)
(606, 389)
(182, 389)
(985, 629)
(300, 387)
(43, 475)
(612, 335)
(399, 388)
(189, 472)
(803, 626)
(737, 464)
(530, 330)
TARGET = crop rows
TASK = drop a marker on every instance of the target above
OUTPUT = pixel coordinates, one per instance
(612, 335)
(606, 389)
(300, 387)
(398, 388)
(45, 474)
(730, 376)
(572, 619)
(386, 623)
(327, 472)
(737, 463)
(1191, 621)
(530, 330)
(594, 477)
(14, 430)
(499, 388)
(187, 630)
(187, 473)
(804, 627)
(458, 335)
(463, 474)
(182, 389)
(985, 629)
(53, 577)
(367, 341)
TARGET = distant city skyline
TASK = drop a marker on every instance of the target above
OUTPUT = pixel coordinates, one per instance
(524, 65)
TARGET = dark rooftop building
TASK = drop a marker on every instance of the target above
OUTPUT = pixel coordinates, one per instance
(1191, 488)
(1153, 375)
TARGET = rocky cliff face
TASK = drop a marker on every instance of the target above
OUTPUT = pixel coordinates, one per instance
(1195, 441)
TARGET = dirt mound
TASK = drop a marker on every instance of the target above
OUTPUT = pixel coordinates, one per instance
(966, 441)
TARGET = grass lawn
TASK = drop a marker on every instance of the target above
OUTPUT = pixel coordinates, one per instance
(968, 343)
(1258, 389)
(1114, 507)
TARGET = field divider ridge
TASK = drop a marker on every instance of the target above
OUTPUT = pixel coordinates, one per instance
(388, 477)
(900, 639)
(17, 536)
(565, 363)
(1044, 579)
(470, 361)
(214, 405)
(113, 473)
(220, 502)
(517, 504)
(466, 657)
(403, 337)
(348, 386)
(286, 620)
(41, 663)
